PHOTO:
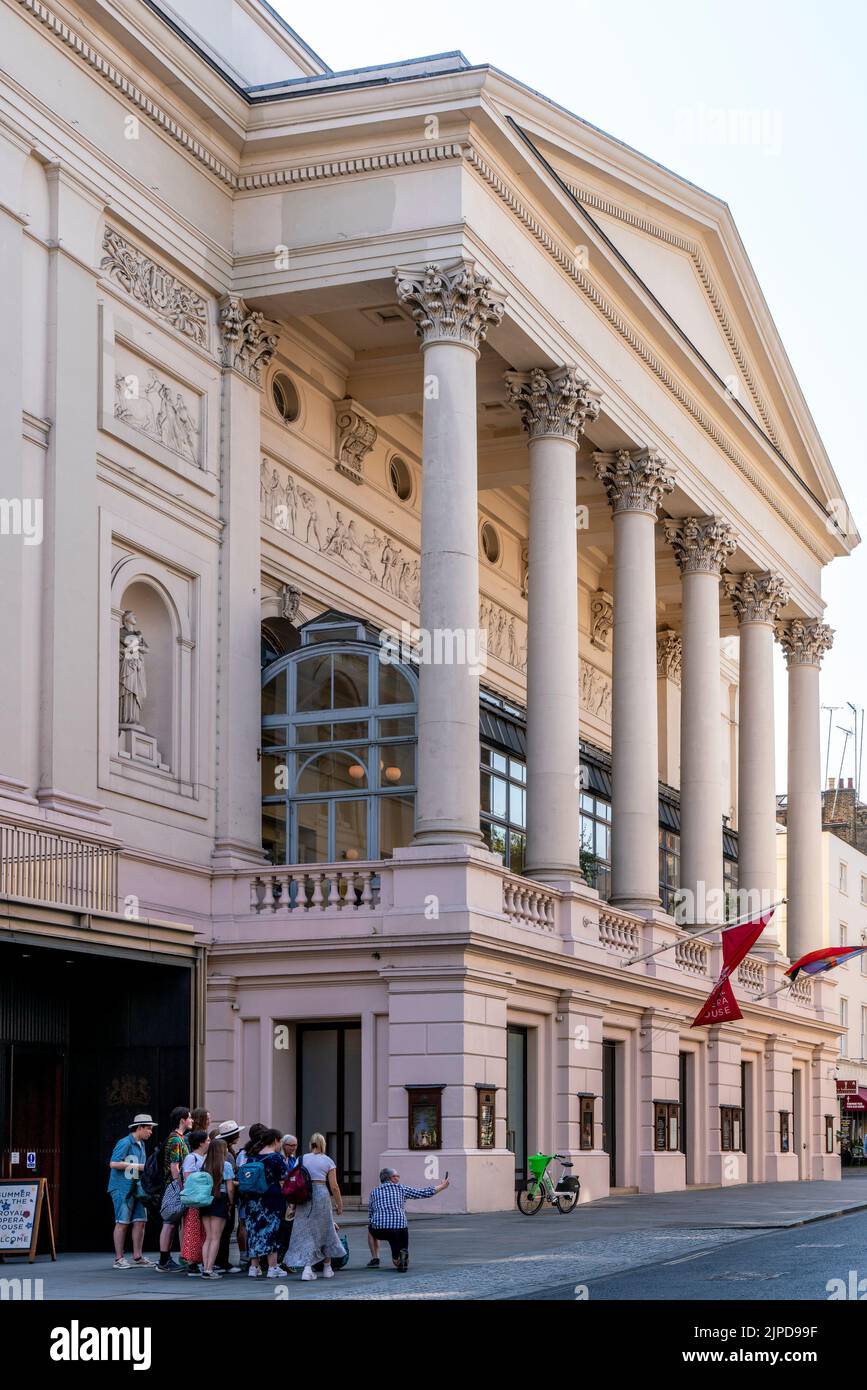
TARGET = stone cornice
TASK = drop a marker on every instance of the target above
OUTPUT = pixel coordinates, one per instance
(757, 598)
(340, 168)
(556, 403)
(805, 641)
(634, 480)
(450, 304)
(701, 544)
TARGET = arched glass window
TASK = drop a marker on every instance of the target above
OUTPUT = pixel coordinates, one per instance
(338, 748)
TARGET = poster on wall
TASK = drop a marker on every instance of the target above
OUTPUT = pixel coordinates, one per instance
(21, 1205)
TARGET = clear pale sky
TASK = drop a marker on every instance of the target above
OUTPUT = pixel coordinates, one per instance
(653, 75)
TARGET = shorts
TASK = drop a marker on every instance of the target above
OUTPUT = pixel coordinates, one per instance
(219, 1207)
(397, 1239)
(128, 1207)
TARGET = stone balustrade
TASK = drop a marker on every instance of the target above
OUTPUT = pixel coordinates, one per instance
(692, 956)
(618, 932)
(323, 888)
(751, 974)
(527, 904)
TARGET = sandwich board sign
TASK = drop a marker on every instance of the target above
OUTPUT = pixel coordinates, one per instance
(21, 1206)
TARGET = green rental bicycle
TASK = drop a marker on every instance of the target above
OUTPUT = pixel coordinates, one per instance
(540, 1188)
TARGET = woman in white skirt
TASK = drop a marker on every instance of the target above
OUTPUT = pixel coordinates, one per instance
(314, 1237)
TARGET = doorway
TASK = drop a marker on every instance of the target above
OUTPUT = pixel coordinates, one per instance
(35, 1109)
(685, 1065)
(798, 1118)
(329, 1095)
(609, 1108)
(516, 1099)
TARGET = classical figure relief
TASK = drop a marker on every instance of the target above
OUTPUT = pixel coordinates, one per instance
(158, 412)
(595, 692)
(133, 683)
(155, 287)
(506, 634)
(315, 522)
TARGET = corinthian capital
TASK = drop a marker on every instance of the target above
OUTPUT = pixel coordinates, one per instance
(247, 345)
(757, 598)
(701, 544)
(559, 402)
(635, 480)
(454, 305)
(805, 641)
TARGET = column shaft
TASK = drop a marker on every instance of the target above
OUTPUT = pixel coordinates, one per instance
(448, 723)
(552, 663)
(804, 814)
(701, 871)
(634, 756)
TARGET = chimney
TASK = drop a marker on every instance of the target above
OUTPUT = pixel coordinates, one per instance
(849, 784)
(831, 781)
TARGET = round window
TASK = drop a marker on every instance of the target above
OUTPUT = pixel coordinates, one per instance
(400, 478)
(285, 397)
(490, 543)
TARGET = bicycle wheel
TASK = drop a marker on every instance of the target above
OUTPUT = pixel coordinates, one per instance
(530, 1198)
(566, 1202)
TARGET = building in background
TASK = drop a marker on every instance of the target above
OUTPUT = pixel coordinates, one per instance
(396, 436)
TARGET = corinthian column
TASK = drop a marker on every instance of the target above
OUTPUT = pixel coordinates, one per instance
(636, 483)
(453, 309)
(554, 408)
(804, 643)
(757, 600)
(701, 547)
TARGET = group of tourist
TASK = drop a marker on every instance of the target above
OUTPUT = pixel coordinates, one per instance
(204, 1180)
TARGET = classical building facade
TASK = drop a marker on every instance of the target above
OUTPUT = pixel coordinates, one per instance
(422, 484)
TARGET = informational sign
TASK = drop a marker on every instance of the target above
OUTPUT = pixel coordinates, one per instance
(849, 1087)
(21, 1205)
(31, 1160)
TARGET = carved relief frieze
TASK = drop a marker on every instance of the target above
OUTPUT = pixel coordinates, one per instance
(158, 406)
(507, 635)
(595, 693)
(155, 287)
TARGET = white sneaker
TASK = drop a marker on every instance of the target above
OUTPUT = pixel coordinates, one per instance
(254, 1272)
(308, 1273)
(327, 1272)
(275, 1272)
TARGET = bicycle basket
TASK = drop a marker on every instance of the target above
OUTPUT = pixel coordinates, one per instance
(568, 1184)
(537, 1163)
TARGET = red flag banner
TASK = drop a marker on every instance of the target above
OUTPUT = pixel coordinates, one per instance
(721, 1005)
(816, 961)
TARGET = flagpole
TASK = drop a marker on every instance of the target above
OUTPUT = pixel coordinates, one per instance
(694, 936)
(787, 984)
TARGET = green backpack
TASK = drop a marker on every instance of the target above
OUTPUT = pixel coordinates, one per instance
(198, 1190)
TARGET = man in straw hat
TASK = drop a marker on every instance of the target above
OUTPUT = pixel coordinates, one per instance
(125, 1167)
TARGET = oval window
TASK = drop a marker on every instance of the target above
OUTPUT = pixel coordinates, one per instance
(285, 396)
(400, 478)
(490, 543)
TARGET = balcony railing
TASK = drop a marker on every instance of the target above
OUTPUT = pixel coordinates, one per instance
(55, 868)
(320, 888)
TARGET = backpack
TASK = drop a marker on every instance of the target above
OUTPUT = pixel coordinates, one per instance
(251, 1178)
(298, 1187)
(198, 1190)
(151, 1183)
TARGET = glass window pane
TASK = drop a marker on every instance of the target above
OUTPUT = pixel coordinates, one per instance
(274, 774)
(274, 695)
(334, 772)
(517, 801)
(485, 792)
(517, 770)
(397, 765)
(274, 833)
(313, 733)
(499, 761)
(604, 810)
(517, 844)
(313, 684)
(350, 680)
(497, 840)
(586, 802)
(396, 821)
(486, 756)
(350, 829)
(499, 798)
(350, 729)
(394, 688)
(274, 738)
(403, 726)
(312, 821)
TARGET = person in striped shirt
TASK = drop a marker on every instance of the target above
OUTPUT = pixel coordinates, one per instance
(386, 1216)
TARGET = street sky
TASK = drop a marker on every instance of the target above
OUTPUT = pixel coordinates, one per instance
(652, 76)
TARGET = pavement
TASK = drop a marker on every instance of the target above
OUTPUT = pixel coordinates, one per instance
(603, 1249)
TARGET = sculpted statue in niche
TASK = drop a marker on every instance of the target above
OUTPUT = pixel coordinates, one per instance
(133, 683)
